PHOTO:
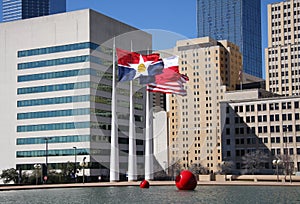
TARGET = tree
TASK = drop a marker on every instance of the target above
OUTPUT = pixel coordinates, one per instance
(176, 168)
(254, 161)
(226, 167)
(198, 169)
(9, 175)
(287, 164)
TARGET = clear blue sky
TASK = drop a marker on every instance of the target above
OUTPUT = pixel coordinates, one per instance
(177, 16)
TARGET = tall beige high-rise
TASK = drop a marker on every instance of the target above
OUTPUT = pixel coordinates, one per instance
(282, 57)
(213, 67)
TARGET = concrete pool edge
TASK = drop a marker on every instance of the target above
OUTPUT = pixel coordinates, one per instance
(152, 183)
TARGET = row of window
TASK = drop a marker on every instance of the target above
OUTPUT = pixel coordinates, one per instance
(63, 74)
(55, 49)
(73, 125)
(72, 138)
(56, 100)
(265, 140)
(70, 86)
(264, 118)
(56, 113)
(63, 61)
(53, 75)
(72, 99)
(52, 152)
(72, 112)
(53, 139)
(50, 88)
(53, 62)
(263, 107)
(264, 129)
(290, 151)
(54, 126)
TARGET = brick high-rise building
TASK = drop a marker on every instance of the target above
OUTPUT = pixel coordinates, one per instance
(194, 128)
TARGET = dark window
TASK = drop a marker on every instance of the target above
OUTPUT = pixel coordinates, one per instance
(227, 131)
(259, 107)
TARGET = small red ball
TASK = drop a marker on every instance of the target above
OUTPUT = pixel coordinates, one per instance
(186, 181)
(144, 184)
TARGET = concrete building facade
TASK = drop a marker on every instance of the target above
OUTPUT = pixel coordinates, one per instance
(282, 57)
(255, 120)
(57, 79)
(194, 128)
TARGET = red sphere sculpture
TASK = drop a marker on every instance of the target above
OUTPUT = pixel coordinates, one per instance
(144, 184)
(186, 181)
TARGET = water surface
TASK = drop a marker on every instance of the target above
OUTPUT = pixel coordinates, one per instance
(155, 194)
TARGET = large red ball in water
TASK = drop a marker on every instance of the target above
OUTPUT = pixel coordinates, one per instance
(186, 181)
(144, 184)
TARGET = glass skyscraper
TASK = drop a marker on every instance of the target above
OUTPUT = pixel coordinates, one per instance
(238, 21)
(23, 9)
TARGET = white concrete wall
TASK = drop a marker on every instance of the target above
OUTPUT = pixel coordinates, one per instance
(160, 138)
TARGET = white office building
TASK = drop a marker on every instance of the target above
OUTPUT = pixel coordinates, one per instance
(56, 88)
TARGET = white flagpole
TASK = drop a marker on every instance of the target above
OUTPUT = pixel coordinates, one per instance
(114, 146)
(132, 165)
(148, 140)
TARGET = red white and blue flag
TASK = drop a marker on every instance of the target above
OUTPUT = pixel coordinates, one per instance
(133, 65)
(170, 81)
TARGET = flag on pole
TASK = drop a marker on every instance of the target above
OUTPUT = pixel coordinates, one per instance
(133, 65)
(170, 81)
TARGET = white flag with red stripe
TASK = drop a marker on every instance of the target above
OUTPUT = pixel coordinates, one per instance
(170, 81)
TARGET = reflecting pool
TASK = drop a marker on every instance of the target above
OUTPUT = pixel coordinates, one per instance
(155, 194)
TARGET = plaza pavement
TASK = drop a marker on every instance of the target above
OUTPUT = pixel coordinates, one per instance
(152, 183)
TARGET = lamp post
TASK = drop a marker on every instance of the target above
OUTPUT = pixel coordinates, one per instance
(46, 167)
(285, 149)
(75, 169)
(277, 162)
(187, 159)
(83, 164)
(36, 167)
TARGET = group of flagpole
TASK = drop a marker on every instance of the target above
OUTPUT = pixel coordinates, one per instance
(132, 157)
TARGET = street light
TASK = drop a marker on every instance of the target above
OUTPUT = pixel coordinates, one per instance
(36, 167)
(277, 162)
(75, 169)
(285, 150)
(187, 159)
(83, 164)
(46, 167)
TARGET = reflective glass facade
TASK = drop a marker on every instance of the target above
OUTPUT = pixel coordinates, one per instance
(63, 74)
(23, 9)
(50, 88)
(238, 21)
(62, 61)
(54, 126)
(56, 113)
(56, 49)
(54, 139)
(51, 101)
(52, 152)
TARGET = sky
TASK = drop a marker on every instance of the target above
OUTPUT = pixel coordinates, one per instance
(175, 16)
